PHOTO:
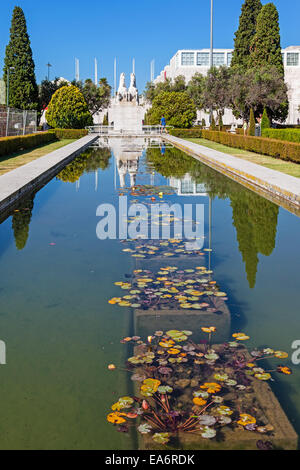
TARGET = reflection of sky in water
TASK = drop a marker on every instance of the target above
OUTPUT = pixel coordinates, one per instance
(56, 279)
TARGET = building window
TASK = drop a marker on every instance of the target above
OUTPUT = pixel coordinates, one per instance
(203, 59)
(229, 58)
(187, 58)
(292, 58)
(219, 58)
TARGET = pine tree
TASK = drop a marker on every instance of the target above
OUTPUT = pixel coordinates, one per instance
(23, 90)
(245, 33)
(252, 123)
(265, 46)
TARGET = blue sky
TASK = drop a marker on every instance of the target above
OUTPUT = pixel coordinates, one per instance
(61, 30)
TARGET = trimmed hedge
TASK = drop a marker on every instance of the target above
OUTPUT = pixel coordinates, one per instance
(69, 133)
(291, 135)
(9, 145)
(275, 148)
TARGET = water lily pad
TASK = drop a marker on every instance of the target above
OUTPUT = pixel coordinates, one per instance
(208, 433)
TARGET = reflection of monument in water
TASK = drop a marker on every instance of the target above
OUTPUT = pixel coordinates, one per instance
(127, 155)
(126, 112)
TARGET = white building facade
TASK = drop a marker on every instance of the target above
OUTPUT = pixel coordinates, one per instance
(187, 62)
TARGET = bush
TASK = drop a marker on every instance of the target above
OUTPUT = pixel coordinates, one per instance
(68, 109)
(265, 121)
(291, 135)
(275, 148)
(9, 145)
(252, 123)
(69, 133)
(177, 108)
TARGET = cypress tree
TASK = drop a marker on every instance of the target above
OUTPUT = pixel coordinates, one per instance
(245, 33)
(252, 123)
(265, 46)
(265, 121)
(23, 90)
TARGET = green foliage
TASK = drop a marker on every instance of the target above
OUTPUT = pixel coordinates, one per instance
(96, 97)
(213, 124)
(220, 123)
(291, 135)
(47, 89)
(265, 46)
(216, 94)
(252, 123)
(259, 88)
(195, 89)
(9, 145)
(68, 109)
(69, 133)
(289, 151)
(245, 33)
(265, 121)
(177, 107)
(153, 90)
(23, 90)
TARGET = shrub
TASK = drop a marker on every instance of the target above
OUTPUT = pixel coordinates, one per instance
(213, 124)
(265, 121)
(291, 135)
(9, 145)
(177, 108)
(68, 109)
(69, 133)
(252, 123)
(275, 148)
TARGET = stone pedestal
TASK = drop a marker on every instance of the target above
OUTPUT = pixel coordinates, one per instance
(127, 116)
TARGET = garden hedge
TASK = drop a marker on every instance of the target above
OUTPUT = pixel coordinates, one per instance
(9, 145)
(291, 135)
(275, 148)
(69, 133)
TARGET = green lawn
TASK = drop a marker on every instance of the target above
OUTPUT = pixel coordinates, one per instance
(289, 168)
(18, 159)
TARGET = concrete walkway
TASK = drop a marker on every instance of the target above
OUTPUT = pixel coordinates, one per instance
(27, 178)
(282, 188)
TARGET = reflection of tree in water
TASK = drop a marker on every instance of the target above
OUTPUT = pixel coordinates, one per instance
(254, 218)
(20, 223)
(90, 160)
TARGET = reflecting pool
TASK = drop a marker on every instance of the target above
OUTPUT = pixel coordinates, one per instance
(57, 278)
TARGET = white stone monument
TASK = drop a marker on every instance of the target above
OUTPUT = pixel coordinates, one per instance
(126, 113)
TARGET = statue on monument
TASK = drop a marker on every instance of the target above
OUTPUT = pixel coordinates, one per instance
(122, 90)
(132, 90)
(130, 95)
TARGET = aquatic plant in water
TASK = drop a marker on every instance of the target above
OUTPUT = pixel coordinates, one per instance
(171, 288)
(183, 387)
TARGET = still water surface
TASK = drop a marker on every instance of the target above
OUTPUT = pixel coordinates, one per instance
(57, 276)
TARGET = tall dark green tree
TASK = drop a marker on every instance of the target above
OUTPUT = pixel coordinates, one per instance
(245, 33)
(23, 89)
(265, 45)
